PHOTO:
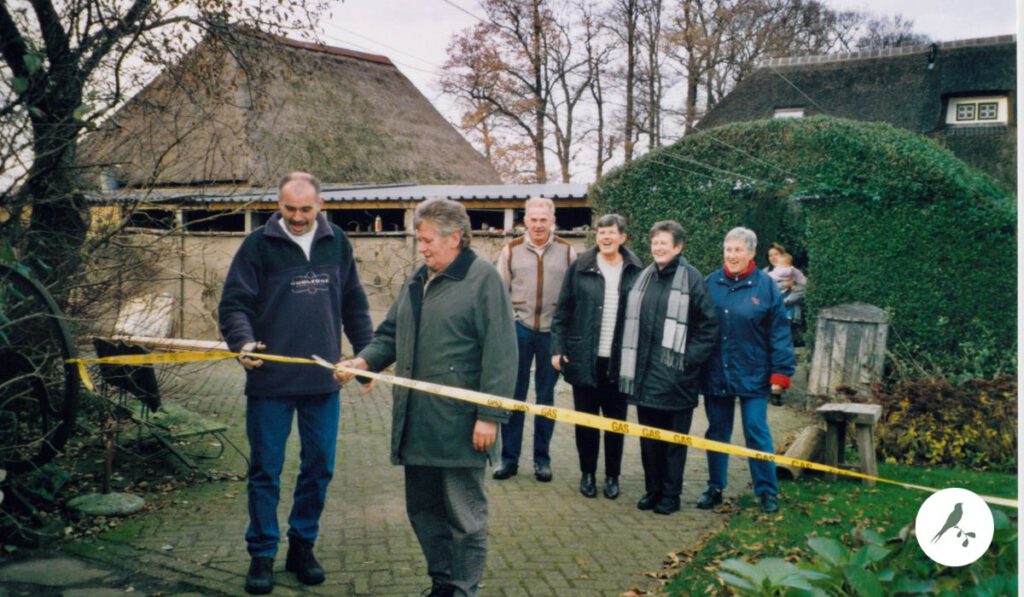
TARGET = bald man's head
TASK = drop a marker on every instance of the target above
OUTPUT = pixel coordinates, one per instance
(298, 198)
(299, 177)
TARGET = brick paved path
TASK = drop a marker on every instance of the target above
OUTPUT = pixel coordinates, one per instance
(545, 539)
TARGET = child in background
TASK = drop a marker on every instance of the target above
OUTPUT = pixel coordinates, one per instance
(792, 283)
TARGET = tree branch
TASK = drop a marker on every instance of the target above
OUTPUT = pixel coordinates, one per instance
(13, 48)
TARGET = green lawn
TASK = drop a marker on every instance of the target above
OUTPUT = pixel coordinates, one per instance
(815, 507)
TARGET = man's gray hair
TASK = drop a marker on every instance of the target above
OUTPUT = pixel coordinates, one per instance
(608, 220)
(299, 176)
(544, 202)
(449, 217)
(672, 227)
(745, 234)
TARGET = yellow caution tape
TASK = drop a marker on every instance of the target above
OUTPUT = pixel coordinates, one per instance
(552, 412)
(193, 356)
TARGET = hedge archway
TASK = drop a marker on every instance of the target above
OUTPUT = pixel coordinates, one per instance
(872, 212)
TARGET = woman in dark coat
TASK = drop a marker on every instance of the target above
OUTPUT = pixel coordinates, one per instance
(669, 330)
(754, 358)
(583, 333)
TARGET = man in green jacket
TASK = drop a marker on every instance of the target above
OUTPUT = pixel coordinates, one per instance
(451, 324)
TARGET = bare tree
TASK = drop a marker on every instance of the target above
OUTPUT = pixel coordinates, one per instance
(65, 67)
(689, 42)
(717, 43)
(624, 19)
(890, 32)
(599, 48)
(652, 71)
(571, 77)
(503, 63)
(505, 150)
(554, 72)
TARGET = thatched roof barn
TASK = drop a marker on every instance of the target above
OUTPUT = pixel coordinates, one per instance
(962, 94)
(244, 107)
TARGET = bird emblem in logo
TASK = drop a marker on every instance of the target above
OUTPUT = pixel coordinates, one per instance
(942, 525)
(951, 522)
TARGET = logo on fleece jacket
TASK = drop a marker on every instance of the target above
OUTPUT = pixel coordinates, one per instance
(310, 283)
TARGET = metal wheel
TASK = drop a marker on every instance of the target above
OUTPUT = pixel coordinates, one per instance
(38, 391)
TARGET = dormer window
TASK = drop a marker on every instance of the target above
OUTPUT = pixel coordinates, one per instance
(967, 111)
(789, 113)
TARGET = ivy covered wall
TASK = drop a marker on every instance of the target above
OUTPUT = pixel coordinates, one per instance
(872, 213)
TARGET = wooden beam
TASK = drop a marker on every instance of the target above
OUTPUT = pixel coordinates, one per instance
(171, 343)
(351, 205)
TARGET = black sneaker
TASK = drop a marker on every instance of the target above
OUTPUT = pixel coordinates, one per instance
(709, 499)
(260, 578)
(542, 472)
(769, 503)
(302, 562)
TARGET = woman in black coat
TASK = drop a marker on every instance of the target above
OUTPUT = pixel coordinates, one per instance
(669, 330)
(583, 333)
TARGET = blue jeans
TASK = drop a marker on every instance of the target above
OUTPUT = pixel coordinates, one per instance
(531, 344)
(721, 412)
(268, 423)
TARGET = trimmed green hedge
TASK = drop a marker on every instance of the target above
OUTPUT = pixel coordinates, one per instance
(872, 213)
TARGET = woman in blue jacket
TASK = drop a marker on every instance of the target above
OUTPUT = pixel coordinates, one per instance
(753, 357)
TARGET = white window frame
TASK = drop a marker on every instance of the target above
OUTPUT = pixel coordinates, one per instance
(969, 111)
(789, 113)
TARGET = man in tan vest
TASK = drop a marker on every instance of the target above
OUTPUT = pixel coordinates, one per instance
(532, 267)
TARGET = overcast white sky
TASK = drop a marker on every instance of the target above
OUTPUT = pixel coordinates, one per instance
(415, 33)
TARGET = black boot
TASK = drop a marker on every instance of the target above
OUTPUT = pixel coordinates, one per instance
(588, 485)
(301, 561)
(260, 578)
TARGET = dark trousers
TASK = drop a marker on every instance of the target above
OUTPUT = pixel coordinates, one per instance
(604, 400)
(448, 511)
(663, 462)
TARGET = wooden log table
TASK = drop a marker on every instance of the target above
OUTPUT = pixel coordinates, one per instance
(837, 416)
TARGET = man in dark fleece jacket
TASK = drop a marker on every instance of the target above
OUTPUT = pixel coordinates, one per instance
(291, 289)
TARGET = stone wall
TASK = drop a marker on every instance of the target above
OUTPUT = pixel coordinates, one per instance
(384, 262)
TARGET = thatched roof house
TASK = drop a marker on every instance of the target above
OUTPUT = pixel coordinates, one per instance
(962, 94)
(243, 108)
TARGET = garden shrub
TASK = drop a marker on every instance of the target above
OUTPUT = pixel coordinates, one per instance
(879, 566)
(928, 422)
(872, 213)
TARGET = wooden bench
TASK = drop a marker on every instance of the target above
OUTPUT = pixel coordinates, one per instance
(864, 416)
